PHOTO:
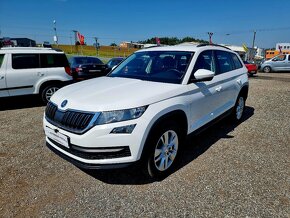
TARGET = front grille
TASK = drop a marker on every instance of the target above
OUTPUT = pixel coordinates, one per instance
(72, 121)
(123, 151)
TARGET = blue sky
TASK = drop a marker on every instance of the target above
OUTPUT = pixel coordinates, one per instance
(231, 21)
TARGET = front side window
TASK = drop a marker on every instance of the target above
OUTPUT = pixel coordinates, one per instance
(25, 61)
(158, 66)
(205, 61)
(1, 59)
(279, 58)
(224, 61)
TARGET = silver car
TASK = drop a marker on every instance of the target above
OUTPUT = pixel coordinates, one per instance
(278, 63)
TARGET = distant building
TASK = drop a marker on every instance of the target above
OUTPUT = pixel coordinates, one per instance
(283, 45)
(131, 45)
(285, 49)
(18, 42)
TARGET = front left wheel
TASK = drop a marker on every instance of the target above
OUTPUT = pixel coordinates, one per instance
(164, 145)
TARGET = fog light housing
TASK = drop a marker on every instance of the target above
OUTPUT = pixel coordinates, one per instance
(124, 129)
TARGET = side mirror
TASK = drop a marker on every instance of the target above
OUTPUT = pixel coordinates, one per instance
(114, 67)
(203, 75)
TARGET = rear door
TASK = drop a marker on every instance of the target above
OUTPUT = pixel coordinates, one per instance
(23, 71)
(3, 88)
(229, 75)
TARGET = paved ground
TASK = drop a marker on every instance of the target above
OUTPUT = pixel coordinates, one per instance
(227, 171)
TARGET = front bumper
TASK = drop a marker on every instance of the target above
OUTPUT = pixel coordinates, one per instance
(87, 165)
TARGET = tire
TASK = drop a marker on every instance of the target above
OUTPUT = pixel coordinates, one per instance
(48, 91)
(239, 108)
(267, 69)
(163, 146)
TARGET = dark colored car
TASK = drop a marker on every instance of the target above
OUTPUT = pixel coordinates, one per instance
(87, 67)
(114, 62)
(252, 68)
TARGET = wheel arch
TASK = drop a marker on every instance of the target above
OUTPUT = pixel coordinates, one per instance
(244, 91)
(178, 116)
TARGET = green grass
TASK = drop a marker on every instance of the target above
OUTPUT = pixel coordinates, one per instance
(104, 53)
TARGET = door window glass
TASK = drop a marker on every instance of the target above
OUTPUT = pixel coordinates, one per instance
(53, 60)
(236, 61)
(1, 59)
(205, 61)
(224, 61)
(25, 61)
(280, 58)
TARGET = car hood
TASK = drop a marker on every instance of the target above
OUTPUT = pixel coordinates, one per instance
(113, 93)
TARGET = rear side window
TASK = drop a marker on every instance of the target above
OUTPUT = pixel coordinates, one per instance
(1, 59)
(53, 60)
(95, 61)
(224, 61)
(236, 61)
(25, 61)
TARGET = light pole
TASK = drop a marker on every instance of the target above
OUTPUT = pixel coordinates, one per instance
(55, 34)
(253, 46)
(210, 36)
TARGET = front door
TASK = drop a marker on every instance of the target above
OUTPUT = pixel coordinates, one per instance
(279, 63)
(205, 96)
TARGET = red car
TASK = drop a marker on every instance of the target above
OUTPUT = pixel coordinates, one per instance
(252, 68)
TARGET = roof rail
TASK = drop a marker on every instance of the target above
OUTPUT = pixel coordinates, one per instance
(207, 44)
(25, 48)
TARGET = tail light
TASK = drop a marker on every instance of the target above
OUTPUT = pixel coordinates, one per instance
(67, 70)
(79, 69)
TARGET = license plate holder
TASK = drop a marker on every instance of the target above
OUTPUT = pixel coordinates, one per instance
(57, 136)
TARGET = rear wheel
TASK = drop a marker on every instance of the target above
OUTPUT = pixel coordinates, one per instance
(164, 146)
(239, 108)
(48, 91)
(267, 69)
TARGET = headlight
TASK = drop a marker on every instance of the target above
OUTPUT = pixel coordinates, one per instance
(120, 115)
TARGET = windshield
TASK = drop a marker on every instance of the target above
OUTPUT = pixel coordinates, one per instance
(158, 66)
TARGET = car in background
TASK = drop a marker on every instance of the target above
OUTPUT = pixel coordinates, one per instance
(114, 62)
(83, 67)
(278, 63)
(252, 68)
(32, 70)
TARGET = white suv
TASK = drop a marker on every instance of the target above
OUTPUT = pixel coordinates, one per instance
(25, 71)
(143, 110)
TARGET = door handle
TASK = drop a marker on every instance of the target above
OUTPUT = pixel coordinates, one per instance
(218, 89)
(1, 77)
(239, 81)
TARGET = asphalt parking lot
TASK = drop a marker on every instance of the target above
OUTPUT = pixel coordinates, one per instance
(226, 171)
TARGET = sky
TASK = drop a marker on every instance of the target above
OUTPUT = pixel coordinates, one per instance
(113, 21)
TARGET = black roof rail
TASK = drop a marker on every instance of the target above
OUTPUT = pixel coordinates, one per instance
(56, 49)
(207, 44)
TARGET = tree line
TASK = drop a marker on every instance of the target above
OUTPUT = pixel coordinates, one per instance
(172, 40)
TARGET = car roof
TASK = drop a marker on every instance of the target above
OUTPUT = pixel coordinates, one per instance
(186, 47)
(37, 50)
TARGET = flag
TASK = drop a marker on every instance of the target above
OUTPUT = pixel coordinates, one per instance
(157, 41)
(245, 48)
(81, 38)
